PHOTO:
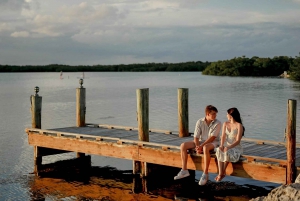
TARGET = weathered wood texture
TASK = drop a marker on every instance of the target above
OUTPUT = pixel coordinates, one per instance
(80, 106)
(36, 122)
(291, 141)
(259, 168)
(143, 113)
(36, 111)
(183, 112)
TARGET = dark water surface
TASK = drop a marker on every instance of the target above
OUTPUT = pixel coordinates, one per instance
(111, 99)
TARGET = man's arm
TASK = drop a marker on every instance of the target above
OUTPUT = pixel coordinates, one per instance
(209, 140)
(196, 141)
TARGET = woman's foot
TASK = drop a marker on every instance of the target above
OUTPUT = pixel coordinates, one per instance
(220, 177)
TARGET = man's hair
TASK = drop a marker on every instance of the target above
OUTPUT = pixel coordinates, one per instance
(210, 108)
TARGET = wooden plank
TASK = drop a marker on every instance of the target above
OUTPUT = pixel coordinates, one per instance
(160, 131)
(257, 141)
(276, 154)
(85, 146)
(264, 149)
(253, 170)
(256, 158)
(244, 140)
(260, 148)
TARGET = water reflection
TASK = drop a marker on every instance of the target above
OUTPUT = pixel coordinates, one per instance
(76, 179)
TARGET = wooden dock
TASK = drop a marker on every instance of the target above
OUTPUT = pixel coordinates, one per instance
(262, 160)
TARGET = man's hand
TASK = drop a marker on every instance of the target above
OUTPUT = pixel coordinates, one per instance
(199, 149)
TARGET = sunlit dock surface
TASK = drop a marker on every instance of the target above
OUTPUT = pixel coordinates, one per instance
(262, 160)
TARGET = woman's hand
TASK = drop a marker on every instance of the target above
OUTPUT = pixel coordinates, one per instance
(221, 148)
(226, 149)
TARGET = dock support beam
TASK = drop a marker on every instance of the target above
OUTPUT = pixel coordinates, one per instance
(80, 109)
(143, 126)
(291, 141)
(183, 112)
(36, 122)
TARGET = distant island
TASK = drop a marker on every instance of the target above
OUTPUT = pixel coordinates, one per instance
(238, 66)
(255, 66)
(184, 66)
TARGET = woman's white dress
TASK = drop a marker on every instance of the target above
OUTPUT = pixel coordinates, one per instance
(233, 154)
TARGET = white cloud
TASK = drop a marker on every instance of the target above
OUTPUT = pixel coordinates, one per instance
(5, 27)
(20, 34)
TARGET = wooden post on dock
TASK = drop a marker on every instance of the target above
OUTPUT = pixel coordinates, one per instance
(143, 126)
(291, 141)
(36, 122)
(80, 105)
(183, 112)
(143, 113)
(80, 109)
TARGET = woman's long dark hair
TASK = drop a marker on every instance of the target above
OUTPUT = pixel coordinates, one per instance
(236, 116)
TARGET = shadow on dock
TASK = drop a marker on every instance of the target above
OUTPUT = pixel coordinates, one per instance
(76, 179)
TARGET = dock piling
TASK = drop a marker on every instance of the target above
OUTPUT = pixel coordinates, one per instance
(183, 112)
(36, 109)
(143, 113)
(80, 109)
(36, 122)
(143, 126)
(80, 105)
(291, 141)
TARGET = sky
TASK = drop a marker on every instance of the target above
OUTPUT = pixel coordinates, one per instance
(92, 32)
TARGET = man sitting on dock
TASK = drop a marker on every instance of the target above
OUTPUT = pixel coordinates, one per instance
(206, 138)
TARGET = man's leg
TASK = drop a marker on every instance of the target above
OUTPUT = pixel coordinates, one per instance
(206, 152)
(184, 156)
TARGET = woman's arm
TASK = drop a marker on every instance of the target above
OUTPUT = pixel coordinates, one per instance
(223, 137)
(238, 137)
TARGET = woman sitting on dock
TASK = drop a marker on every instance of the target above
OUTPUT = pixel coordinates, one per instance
(230, 149)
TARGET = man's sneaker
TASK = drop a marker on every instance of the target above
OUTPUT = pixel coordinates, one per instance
(203, 179)
(182, 174)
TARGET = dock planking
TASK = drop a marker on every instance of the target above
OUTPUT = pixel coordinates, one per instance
(161, 149)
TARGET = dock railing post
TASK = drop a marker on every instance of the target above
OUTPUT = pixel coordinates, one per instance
(80, 109)
(143, 126)
(36, 122)
(291, 141)
(183, 112)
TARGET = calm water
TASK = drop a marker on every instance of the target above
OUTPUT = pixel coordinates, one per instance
(111, 99)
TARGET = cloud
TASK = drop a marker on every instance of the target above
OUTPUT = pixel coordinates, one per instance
(20, 34)
(4, 27)
(13, 4)
(143, 30)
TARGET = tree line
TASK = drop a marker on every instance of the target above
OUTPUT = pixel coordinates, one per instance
(238, 66)
(255, 66)
(184, 66)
